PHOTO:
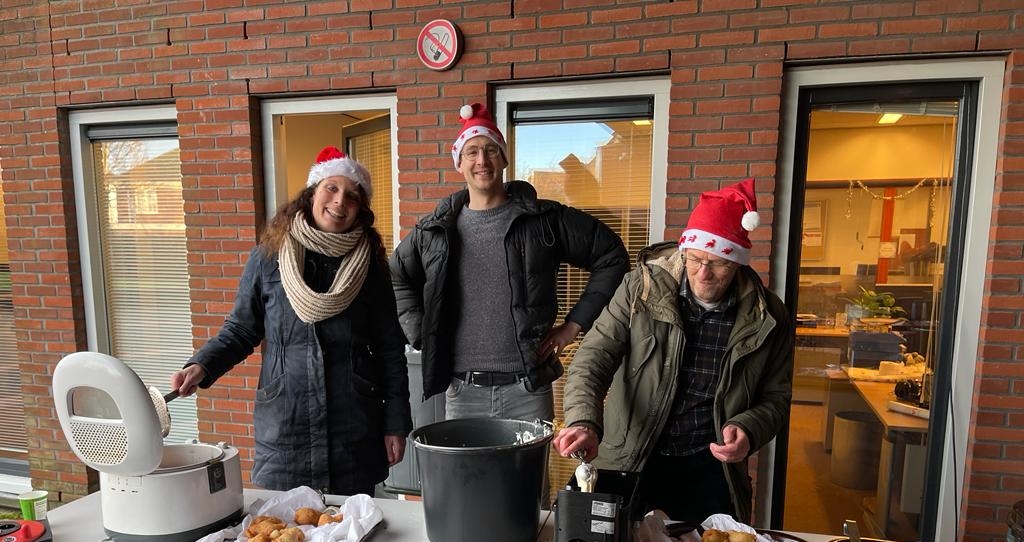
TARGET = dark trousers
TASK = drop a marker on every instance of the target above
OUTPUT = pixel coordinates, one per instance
(687, 488)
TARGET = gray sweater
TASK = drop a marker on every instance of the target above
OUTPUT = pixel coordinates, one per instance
(485, 334)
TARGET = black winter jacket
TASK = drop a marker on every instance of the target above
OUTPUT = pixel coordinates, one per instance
(328, 392)
(543, 234)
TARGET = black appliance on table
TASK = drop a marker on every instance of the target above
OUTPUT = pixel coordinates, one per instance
(605, 515)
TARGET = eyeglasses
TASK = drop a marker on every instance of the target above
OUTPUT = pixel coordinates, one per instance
(472, 153)
(717, 266)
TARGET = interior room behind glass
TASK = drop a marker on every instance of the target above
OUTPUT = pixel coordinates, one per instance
(875, 229)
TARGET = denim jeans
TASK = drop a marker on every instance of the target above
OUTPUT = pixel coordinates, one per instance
(512, 401)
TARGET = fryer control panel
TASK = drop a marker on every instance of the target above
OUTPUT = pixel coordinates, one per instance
(218, 480)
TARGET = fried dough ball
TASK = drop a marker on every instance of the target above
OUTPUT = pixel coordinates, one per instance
(260, 538)
(714, 535)
(264, 525)
(326, 518)
(291, 534)
(306, 516)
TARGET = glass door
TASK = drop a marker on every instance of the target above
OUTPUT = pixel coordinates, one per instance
(877, 179)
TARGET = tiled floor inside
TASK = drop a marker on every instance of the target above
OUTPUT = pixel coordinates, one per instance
(813, 503)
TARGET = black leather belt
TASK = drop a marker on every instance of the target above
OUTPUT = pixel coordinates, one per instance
(486, 379)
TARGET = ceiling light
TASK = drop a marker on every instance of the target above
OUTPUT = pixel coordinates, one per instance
(890, 118)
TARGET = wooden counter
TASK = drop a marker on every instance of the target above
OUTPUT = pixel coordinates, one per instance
(806, 331)
(877, 395)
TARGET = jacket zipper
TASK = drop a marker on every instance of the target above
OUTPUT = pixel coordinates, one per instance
(644, 454)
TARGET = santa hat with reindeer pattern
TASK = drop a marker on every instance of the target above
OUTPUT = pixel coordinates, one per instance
(719, 223)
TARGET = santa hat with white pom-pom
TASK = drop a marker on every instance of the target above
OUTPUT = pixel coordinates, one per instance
(331, 162)
(477, 121)
(721, 220)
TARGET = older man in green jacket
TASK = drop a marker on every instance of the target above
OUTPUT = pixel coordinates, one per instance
(688, 370)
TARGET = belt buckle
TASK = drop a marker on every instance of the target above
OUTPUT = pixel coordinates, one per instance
(476, 378)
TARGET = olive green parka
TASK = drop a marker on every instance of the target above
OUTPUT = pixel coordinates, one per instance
(631, 356)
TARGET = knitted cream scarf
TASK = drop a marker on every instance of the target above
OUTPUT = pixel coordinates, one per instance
(313, 306)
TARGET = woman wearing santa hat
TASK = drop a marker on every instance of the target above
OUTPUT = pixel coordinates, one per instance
(705, 352)
(332, 404)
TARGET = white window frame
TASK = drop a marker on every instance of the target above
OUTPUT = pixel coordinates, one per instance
(657, 87)
(989, 73)
(91, 251)
(275, 189)
(93, 289)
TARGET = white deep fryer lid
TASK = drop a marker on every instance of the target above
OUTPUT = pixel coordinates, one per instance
(127, 442)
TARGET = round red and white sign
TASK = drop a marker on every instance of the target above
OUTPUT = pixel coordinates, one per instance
(439, 45)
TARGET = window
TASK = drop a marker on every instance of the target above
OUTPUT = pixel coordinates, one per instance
(13, 452)
(598, 147)
(129, 197)
(362, 127)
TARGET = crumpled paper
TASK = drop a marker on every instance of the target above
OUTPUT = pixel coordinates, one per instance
(360, 512)
(653, 528)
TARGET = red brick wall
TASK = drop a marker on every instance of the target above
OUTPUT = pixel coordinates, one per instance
(215, 60)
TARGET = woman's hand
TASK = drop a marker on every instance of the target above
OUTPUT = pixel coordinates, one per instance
(577, 438)
(395, 446)
(187, 380)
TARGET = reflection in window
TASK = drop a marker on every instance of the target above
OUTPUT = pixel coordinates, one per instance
(140, 220)
(12, 409)
(875, 234)
(601, 166)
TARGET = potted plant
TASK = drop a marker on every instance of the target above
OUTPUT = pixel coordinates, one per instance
(872, 304)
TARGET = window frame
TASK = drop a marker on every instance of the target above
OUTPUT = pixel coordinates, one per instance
(275, 188)
(93, 290)
(86, 128)
(655, 87)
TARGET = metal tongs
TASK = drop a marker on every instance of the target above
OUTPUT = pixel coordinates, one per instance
(586, 474)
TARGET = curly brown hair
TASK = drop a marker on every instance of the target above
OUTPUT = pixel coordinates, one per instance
(273, 237)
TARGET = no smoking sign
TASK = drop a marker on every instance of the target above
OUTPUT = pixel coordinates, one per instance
(439, 45)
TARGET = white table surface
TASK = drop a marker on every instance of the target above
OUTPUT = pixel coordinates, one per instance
(79, 521)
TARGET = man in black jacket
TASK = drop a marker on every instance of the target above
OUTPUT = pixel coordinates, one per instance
(475, 283)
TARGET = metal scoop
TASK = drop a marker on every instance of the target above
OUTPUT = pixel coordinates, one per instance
(586, 474)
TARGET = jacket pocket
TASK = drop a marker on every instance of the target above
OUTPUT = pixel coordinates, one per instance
(367, 420)
(274, 421)
(640, 354)
(365, 388)
(271, 391)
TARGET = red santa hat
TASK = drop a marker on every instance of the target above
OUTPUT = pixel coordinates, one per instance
(721, 220)
(331, 162)
(477, 121)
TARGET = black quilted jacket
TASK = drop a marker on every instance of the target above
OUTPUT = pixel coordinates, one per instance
(543, 235)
